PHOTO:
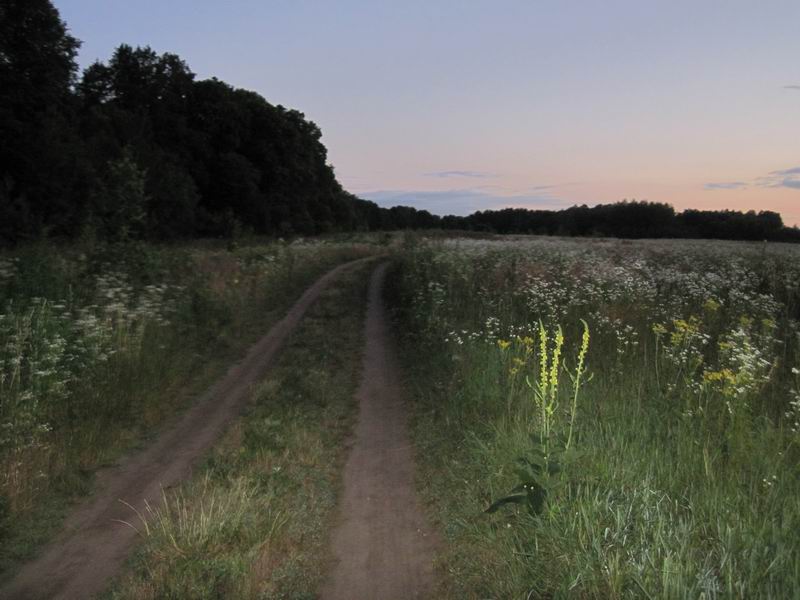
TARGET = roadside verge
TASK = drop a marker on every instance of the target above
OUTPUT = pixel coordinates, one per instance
(95, 542)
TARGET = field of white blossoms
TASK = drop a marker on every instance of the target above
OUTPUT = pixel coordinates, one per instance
(607, 419)
(99, 344)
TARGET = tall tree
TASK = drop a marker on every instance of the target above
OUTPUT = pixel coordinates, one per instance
(37, 70)
(37, 56)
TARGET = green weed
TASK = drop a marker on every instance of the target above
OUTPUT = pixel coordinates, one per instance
(540, 471)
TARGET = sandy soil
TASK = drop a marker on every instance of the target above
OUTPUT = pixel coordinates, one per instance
(383, 546)
(95, 543)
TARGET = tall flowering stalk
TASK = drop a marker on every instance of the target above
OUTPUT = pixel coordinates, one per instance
(576, 380)
(538, 472)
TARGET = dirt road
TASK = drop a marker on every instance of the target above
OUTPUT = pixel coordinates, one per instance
(383, 546)
(94, 544)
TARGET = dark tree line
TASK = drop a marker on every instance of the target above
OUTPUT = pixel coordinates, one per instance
(631, 220)
(137, 147)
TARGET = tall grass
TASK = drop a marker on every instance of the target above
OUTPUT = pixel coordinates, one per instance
(99, 344)
(685, 478)
(203, 539)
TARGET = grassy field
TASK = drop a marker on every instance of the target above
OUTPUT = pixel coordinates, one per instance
(593, 418)
(100, 344)
(253, 522)
(628, 411)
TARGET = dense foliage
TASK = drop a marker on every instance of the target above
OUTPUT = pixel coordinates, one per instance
(137, 147)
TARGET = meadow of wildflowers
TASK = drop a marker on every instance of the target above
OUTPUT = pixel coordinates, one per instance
(628, 410)
(98, 344)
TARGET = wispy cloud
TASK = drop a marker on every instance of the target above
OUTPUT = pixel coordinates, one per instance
(787, 172)
(473, 174)
(786, 178)
(783, 178)
(460, 201)
(726, 185)
(791, 87)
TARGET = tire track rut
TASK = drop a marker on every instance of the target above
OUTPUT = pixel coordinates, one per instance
(383, 546)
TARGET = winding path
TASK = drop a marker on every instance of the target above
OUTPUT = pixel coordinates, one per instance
(382, 545)
(94, 544)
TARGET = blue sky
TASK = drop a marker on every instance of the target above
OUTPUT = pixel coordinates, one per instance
(458, 106)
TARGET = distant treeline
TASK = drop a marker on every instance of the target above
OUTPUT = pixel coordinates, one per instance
(137, 147)
(631, 220)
